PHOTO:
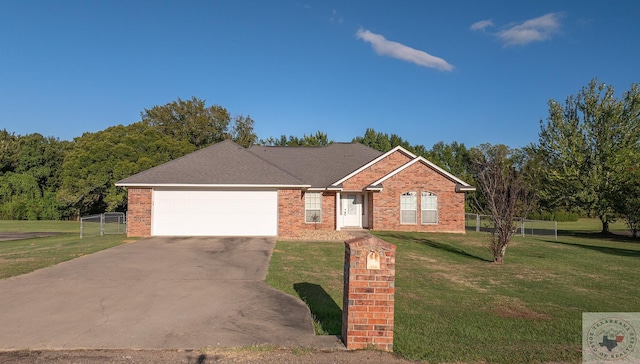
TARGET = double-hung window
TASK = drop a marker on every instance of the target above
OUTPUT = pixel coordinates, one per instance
(429, 208)
(313, 207)
(408, 208)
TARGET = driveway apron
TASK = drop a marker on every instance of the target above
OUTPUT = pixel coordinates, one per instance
(187, 293)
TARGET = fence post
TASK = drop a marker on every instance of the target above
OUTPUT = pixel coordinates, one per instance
(477, 222)
(522, 223)
(555, 224)
(80, 228)
(532, 227)
(101, 224)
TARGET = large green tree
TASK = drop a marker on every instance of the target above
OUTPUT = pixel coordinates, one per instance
(41, 157)
(8, 151)
(242, 131)
(580, 144)
(98, 160)
(191, 121)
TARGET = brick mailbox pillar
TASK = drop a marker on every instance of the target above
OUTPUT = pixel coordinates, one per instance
(368, 299)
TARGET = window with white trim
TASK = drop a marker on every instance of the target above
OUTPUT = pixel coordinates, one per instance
(313, 207)
(429, 208)
(408, 208)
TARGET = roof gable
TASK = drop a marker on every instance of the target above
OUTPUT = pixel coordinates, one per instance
(463, 185)
(372, 162)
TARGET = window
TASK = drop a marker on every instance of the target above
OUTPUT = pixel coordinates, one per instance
(429, 208)
(313, 207)
(408, 208)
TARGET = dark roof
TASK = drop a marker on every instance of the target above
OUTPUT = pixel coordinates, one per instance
(224, 163)
(227, 163)
(318, 166)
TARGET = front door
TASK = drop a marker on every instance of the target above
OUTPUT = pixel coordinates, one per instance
(352, 210)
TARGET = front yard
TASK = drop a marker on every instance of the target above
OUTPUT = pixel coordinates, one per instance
(453, 305)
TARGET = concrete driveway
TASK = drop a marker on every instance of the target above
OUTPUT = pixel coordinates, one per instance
(186, 293)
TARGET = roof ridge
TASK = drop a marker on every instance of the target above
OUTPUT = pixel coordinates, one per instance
(273, 164)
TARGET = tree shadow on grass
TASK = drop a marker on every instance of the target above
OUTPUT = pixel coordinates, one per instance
(441, 246)
(326, 313)
(602, 249)
(450, 249)
(614, 237)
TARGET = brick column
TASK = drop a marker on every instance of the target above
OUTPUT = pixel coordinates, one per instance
(368, 299)
(139, 212)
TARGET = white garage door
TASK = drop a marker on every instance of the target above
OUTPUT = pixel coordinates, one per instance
(214, 213)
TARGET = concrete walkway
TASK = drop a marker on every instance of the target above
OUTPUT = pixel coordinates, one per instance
(176, 293)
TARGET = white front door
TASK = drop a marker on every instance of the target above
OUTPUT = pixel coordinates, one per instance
(351, 210)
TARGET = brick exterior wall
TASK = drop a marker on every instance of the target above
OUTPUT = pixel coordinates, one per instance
(375, 172)
(139, 212)
(383, 211)
(418, 178)
(291, 215)
(369, 294)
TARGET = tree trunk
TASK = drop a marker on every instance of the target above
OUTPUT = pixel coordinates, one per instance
(605, 227)
(498, 255)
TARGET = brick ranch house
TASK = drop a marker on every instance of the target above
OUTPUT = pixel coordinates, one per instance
(228, 190)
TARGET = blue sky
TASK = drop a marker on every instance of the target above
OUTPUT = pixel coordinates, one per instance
(467, 71)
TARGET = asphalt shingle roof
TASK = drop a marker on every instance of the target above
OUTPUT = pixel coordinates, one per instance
(318, 166)
(224, 163)
(227, 163)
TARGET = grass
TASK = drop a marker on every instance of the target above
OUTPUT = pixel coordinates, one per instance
(40, 226)
(23, 256)
(453, 305)
(591, 225)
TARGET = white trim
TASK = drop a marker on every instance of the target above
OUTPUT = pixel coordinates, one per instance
(203, 185)
(426, 162)
(338, 222)
(398, 148)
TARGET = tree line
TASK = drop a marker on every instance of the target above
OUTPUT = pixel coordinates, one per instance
(585, 162)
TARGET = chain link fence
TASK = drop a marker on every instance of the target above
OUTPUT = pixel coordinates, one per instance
(524, 227)
(107, 223)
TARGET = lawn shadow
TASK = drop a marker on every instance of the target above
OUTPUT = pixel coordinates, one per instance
(450, 249)
(326, 313)
(616, 237)
(601, 249)
(442, 246)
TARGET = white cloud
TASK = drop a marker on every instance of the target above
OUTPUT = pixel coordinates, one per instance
(482, 24)
(400, 51)
(537, 29)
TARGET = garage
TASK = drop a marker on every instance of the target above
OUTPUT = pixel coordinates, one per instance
(211, 212)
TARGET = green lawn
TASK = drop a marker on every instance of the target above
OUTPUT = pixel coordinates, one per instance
(40, 226)
(591, 225)
(453, 305)
(23, 256)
